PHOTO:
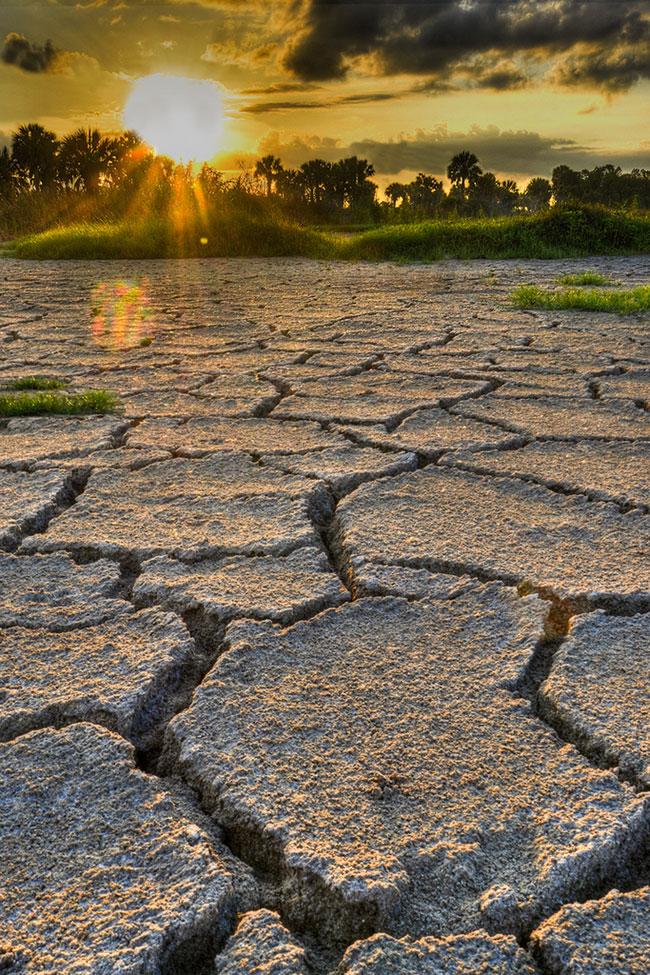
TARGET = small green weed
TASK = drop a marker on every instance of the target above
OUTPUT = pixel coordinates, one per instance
(586, 278)
(36, 382)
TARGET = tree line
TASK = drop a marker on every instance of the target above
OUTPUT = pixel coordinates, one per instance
(91, 164)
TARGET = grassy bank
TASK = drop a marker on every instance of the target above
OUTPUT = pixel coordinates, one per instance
(151, 239)
(558, 233)
(555, 234)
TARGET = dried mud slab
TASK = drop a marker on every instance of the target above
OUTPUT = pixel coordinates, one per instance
(398, 580)
(221, 505)
(230, 396)
(321, 366)
(610, 936)
(611, 471)
(349, 754)
(470, 954)
(204, 435)
(26, 440)
(52, 592)
(29, 501)
(344, 468)
(278, 589)
(524, 534)
(597, 691)
(128, 674)
(431, 432)
(634, 385)
(261, 945)
(562, 418)
(119, 457)
(373, 397)
(100, 865)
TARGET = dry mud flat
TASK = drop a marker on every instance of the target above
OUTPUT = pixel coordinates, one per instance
(329, 655)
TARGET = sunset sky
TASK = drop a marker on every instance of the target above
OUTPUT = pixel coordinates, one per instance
(526, 84)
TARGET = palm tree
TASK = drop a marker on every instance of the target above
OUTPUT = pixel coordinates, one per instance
(395, 192)
(538, 193)
(86, 158)
(316, 176)
(34, 152)
(425, 192)
(268, 168)
(464, 170)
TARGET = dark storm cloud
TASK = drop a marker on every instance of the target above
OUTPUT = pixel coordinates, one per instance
(611, 72)
(24, 54)
(436, 37)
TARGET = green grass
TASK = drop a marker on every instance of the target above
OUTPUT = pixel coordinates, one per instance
(621, 302)
(36, 382)
(558, 233)
(57, 403)
(584, 279)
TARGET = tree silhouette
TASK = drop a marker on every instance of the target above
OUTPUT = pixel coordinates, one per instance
(268, 168)
(34, 152)
(6, 169)
(463, 171)
(425, 193)
(316, 175)
(86, 157)
(566, 184)
(538, 193)
(395, 192)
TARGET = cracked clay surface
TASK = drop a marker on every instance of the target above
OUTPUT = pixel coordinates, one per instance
(328, 653)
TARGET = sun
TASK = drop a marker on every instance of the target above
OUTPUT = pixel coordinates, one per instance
(178, 117)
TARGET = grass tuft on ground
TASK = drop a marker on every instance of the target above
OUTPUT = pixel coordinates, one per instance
(54, 402)
(36, 382)
(558, 233)
(585, 279)
(620, 302)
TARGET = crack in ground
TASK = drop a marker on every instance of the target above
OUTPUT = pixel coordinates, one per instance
(72, 488)
(557, 487)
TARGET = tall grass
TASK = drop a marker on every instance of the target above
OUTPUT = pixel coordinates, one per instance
(621, 302)
(555, 234)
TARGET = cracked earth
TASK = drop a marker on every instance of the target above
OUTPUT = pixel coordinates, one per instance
(328, 655)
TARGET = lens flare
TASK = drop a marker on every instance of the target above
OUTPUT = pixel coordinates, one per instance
(121, 315)
(178, 117)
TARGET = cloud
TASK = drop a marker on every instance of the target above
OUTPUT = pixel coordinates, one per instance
(508, 152)
(611, 72)
(259, 108)
(24, 54)
(280, 89)
(438, 37)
